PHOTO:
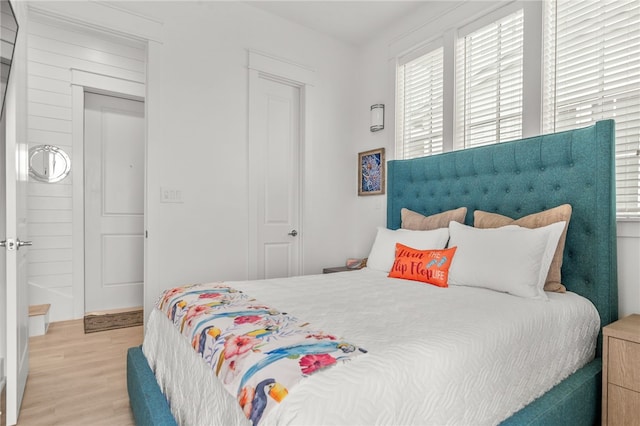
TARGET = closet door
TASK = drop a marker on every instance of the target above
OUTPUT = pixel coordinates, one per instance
(275, 172)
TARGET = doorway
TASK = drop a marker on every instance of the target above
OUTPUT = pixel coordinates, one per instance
(114, 170)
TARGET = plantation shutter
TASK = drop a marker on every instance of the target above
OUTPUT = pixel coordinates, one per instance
(420, 110)
(490, 83)
(593, 73)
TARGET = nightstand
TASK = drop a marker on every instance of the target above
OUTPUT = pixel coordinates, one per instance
(621, 372)
(337, 269)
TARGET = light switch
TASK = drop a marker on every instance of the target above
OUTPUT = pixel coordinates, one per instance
(170, 194)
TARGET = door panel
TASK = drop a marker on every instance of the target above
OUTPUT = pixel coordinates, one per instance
(114, 202)
(122, 157)
(121, 257)
(275, 154)
(277, 258)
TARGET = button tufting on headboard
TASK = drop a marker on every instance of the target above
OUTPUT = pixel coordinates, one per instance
(523, 177)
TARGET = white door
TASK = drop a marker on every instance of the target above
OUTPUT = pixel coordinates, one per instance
(3, 267)
(14, 175)
(275, 166)
(114, 202)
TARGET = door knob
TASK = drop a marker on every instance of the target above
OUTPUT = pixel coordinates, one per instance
(293, 233)
(23, 243)
(11, 245)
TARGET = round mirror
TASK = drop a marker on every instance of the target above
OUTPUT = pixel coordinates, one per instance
(48, 163)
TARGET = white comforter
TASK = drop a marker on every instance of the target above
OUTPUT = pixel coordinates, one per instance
(436, 356)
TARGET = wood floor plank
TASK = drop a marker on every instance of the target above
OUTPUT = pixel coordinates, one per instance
(78, 379)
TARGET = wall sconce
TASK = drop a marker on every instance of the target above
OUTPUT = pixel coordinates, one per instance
(377, 117)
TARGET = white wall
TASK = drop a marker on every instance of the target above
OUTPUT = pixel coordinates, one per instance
(54, 48)
(197, 114)
(376, 84)
(197, 107)
(197, 103)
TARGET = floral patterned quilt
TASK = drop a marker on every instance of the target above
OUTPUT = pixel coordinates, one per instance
(257, 352)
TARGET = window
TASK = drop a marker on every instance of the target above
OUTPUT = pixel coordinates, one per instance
(583, 65)
(489, 83)
(419, 105)
(592, 72)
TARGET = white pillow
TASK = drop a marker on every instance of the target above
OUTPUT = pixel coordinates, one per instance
(510, 259)
(383, 251)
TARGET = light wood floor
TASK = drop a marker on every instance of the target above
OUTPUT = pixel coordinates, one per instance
(77, 378)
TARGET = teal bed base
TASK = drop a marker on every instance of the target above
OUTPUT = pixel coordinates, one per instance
(148, 403)
(514, 179)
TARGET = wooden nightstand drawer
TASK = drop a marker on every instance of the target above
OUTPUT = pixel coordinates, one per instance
(624, 363)
(624, 406)
(621, 372)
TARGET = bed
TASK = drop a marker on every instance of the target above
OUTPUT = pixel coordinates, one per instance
(514, 179)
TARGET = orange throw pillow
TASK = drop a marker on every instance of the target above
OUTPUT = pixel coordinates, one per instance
(429, 266)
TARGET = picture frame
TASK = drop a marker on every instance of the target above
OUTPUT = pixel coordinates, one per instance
(371, 172)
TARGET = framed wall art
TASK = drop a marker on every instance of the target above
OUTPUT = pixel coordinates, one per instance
(371, 176)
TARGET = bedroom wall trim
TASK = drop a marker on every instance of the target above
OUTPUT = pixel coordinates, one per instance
(102, 16)
(281, 68)
(105, 84)
(267, 66)
(82, 82)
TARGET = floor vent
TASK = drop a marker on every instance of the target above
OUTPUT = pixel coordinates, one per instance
(110, 320)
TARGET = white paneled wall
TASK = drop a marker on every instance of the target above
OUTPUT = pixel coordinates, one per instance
(53, 50)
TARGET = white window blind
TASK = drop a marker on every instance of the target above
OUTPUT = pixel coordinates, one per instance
(419, 106)
(592, 72)
(489, 83)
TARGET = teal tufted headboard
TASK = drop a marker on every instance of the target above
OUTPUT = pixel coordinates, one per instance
(523, 177)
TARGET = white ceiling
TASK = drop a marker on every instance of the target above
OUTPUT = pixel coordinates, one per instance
(354, 22)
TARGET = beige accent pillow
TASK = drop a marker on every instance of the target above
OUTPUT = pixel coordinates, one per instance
(537, 220)
(418, 222)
